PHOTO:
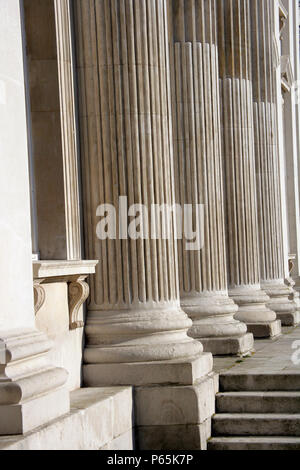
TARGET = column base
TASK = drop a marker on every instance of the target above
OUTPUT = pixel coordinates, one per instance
(214, 326)
(144, 373)
(282, 301)
(31, 389)
(235, 346)
(266, 329)
(176, 417)
(253, 310)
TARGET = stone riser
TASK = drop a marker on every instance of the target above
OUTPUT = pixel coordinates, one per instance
(256, 425)
(259, 382)
(258, 402)
(254, 443)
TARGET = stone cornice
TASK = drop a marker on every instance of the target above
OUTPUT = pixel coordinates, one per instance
(50, 270)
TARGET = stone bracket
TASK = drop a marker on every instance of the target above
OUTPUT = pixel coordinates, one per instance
(74, 273)
(78, 292)
(39, 295)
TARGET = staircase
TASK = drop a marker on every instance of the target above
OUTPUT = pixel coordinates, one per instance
(257, 412)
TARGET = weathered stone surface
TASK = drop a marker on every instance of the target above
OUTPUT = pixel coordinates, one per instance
(185, 437)
(239, 346)
(31, 388)
(24, 417)
(254, 443)
(171, 405)
(123, 442)
(289, 319)
(260, 381)
(174, 372)
(99, 419)
(265, 330)
(258, 402)
(256, 425)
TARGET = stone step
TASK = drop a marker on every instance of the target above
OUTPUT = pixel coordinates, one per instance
(256, 425)
(260, 382)
(254, 443)
(258, 402)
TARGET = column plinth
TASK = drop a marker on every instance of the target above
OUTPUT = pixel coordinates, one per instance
(32, 391)
(283, 300)
(239, 162)
(214, 324)
(136, 330)
(199, 177)
(254, 310)
(267, 163)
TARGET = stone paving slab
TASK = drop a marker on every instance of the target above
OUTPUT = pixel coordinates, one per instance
(280, 355)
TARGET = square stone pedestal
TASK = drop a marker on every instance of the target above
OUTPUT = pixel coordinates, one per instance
(265, 330)
(32, 391)
(175, 417)
(174, 400)
(99, 419)
(184, 372)
(235, 346)
(289, 319)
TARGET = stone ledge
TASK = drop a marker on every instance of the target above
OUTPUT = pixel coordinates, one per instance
(99, 418)
(123, 442)
(62, 269)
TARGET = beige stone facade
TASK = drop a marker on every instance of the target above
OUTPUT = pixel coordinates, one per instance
(149, 178)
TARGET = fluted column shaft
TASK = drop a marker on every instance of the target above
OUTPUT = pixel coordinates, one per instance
(267, 160)
(123, 69)
(199, 176)
(239, 162)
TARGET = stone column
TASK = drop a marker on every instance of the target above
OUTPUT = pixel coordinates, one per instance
(239, 162)
(264, 66)
(31, 388)
(136, 331)
(199, 176)
(291, 60)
